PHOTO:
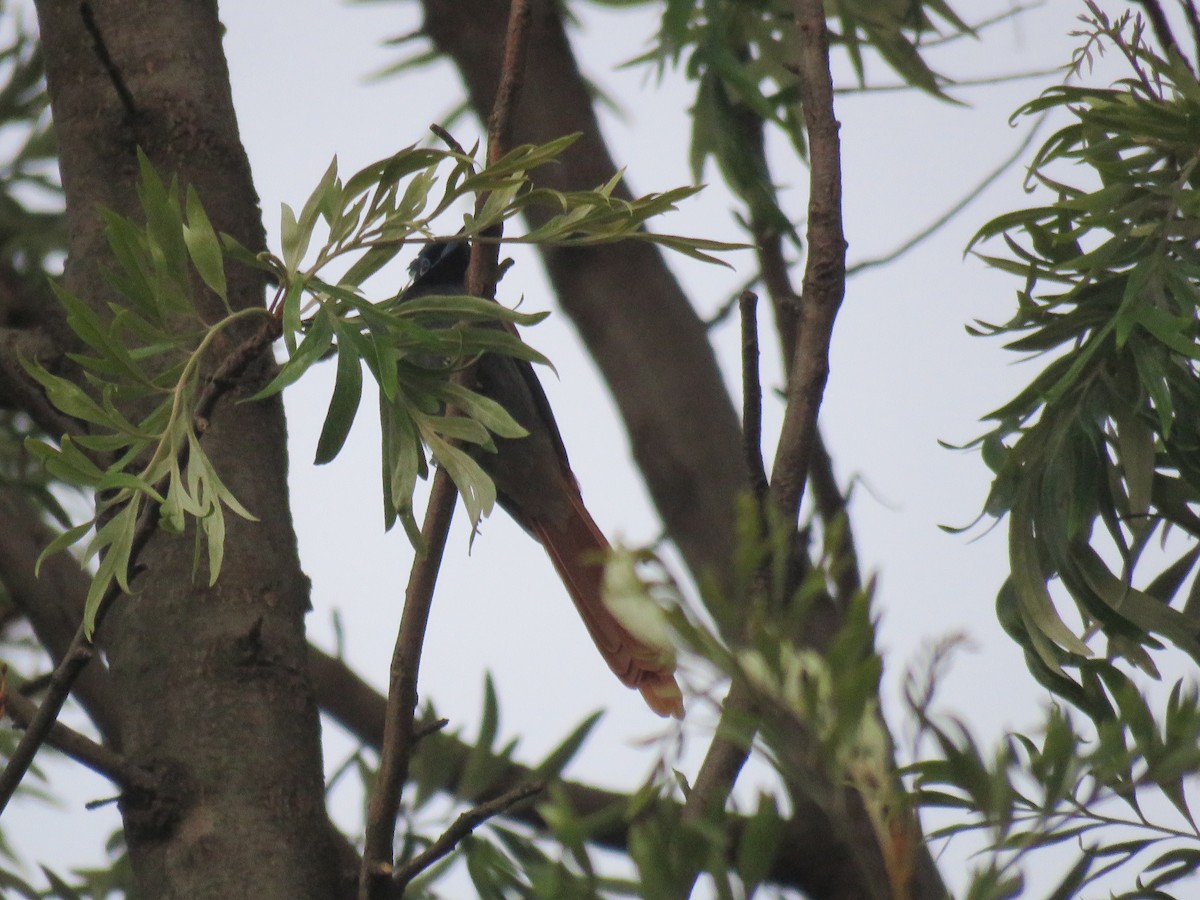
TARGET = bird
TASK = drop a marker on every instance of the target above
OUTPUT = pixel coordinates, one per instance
(536, 487)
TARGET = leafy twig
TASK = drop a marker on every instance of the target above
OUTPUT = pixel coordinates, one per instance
(81, 650)
(377, 863)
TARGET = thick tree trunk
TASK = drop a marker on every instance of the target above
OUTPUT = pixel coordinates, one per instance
(213, 683)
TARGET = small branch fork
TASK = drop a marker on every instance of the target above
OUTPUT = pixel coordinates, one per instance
(808, 359)
(81, 650)
(378, 877)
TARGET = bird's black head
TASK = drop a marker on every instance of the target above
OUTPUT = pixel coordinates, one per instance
(440, 264)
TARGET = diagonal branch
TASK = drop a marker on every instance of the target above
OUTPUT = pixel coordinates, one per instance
(398, 730)
(464, 825)
(100, 759)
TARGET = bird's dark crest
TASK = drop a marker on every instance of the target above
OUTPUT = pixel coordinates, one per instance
(440, 263)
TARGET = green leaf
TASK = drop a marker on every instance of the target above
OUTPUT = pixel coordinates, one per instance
(487, 412)
(116, 535)
(312, 349)
(557, 759)
(403, 461)
(1037, 607)
(343, 405)
(293, 237)
(760, 842)
(204, 247)
(65, 539)
(477, 490)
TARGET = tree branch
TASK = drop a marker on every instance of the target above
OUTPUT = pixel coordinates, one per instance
(100, 759)
(397, 739)
(377, 863)
(464, 825)
(825, 270)
(806, 363)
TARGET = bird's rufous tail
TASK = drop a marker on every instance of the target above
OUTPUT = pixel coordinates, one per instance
(577, 551)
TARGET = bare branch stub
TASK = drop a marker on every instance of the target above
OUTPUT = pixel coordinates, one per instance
(752, 396)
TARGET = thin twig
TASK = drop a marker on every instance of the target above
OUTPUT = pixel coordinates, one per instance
(375, 882)
(106, 60)
(752, 397)
(398, 729)
(984, 81)
(80, 652)
(825, 269)
(485, 255)
(461, 827)
(83, 750)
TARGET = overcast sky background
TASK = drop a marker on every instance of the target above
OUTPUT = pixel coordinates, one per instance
(904, 376)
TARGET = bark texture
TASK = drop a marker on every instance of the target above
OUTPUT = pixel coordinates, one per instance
(213, 685)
